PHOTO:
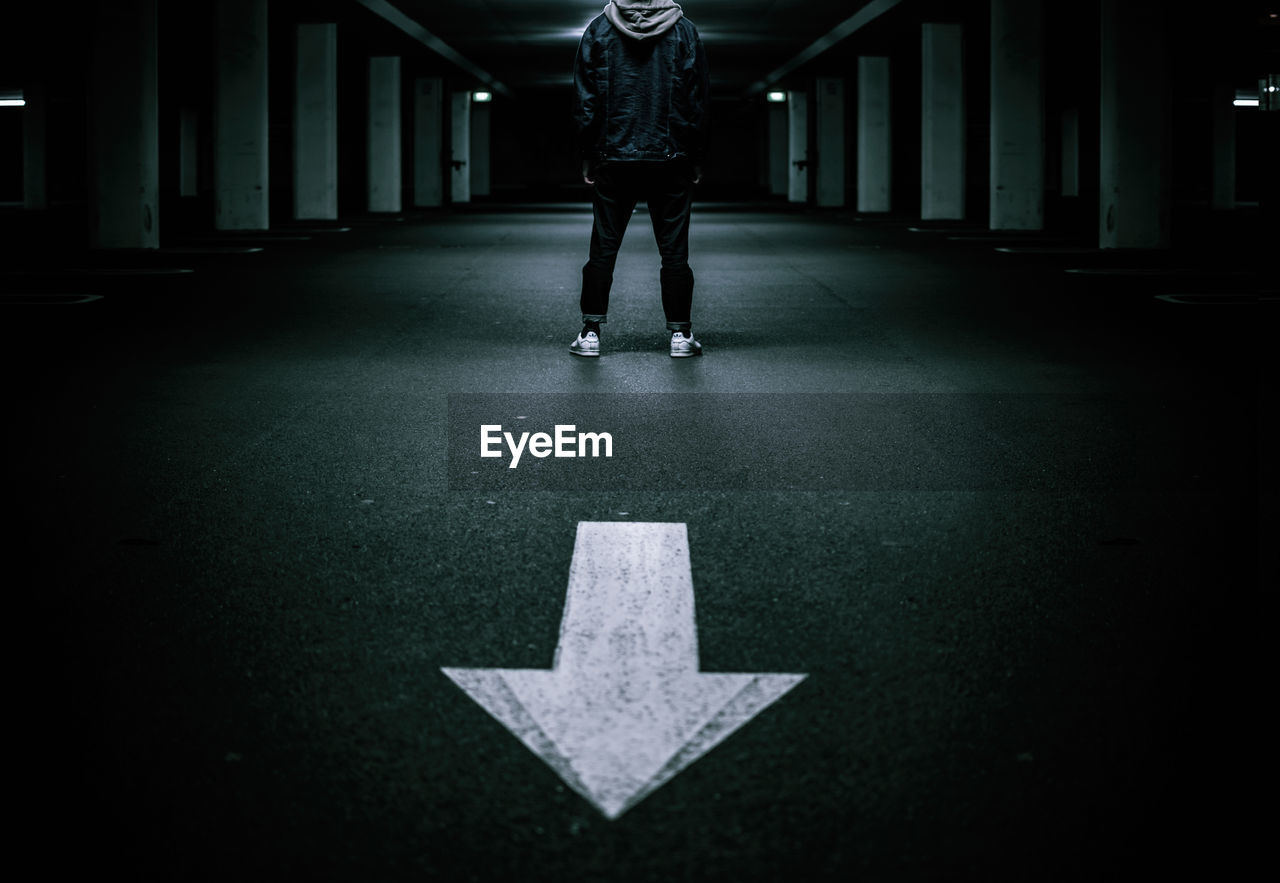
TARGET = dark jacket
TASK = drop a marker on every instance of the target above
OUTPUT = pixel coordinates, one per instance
(641, 99)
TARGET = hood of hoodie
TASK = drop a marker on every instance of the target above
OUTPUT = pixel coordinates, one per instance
(642, 19)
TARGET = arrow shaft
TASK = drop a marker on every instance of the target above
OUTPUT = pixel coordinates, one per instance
(629, 606)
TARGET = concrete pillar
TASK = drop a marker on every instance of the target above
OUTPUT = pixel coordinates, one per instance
(460, 153)
(1070, 152)
(240, 169)
(481, 116)
(428, 141)
(942, 127)
(188, 152)
(1017, 115)
(829, 108)
(779, 155)
(315, 122)
(383, 155)
(1134, 161)
(1222, 122)
(798, 146)
(35, 150)
(874, 146)
(124, 154)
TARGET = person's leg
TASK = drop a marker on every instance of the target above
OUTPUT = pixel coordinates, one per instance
(613, 198)
(670, 199)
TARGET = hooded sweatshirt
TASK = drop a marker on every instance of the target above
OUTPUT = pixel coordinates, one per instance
(643, 19)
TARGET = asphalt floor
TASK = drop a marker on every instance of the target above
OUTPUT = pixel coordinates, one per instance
(1013, 522)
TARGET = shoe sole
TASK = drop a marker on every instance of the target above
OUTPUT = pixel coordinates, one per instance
(687, 355)
(594, 355)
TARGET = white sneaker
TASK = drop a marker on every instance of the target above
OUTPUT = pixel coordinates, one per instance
(682, 347)
(587, 345)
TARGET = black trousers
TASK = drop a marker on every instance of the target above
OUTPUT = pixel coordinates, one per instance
(667, 188)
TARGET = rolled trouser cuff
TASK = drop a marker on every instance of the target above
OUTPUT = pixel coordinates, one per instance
(679, 326)
(594, 317)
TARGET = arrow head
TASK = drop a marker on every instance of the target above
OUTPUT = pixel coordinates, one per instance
(615, 743)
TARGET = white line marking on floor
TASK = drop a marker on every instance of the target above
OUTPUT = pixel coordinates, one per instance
(624, 707)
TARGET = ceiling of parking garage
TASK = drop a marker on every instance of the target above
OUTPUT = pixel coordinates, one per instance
(530, 43)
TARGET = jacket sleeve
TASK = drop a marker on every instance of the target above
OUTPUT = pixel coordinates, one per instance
(700, 99)
(586, 97)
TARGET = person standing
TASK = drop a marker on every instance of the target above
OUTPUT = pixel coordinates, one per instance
(641, 92)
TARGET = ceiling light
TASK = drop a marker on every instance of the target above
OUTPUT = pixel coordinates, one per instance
(481, 97)
(776, 97)
(12, 102)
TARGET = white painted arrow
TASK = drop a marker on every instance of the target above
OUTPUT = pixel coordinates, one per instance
(624, 707)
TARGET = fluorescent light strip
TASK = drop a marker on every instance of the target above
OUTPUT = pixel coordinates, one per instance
(411, 27)
(1245, 102)
(12, 102)
(853, 23)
